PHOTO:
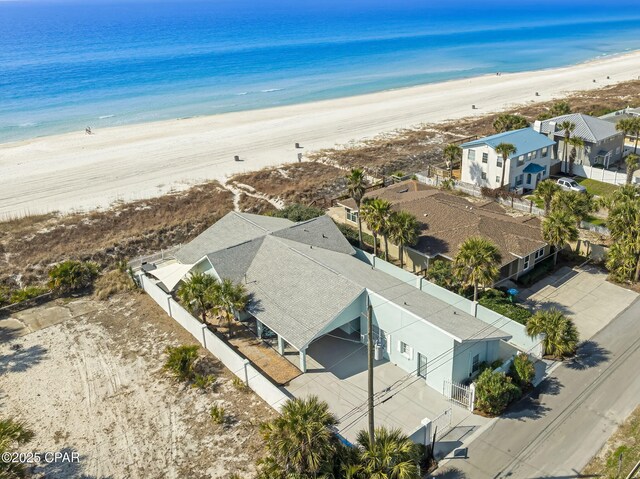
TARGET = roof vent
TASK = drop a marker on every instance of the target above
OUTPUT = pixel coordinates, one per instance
(324, 235)
(425, 215)
(403, 190)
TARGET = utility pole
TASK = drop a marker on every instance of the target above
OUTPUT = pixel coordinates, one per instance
(370, 370)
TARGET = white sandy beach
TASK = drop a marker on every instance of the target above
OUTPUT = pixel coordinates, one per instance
(76, 171)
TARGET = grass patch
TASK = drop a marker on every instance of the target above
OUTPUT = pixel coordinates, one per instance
(596, 221)
(625, 441)
(499, 302)
(113, 282)
(536, 201)
(596, 187)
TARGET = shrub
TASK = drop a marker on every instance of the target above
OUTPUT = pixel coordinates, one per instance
(217, 414)
(497, 301)
(522, 371)
(351, 234)
(540, 270)
(492, 193)
(494, 392)
(447, 184)
(4, 295)
(113, 282)
(26, 293)
(239, 384)
(181, 361)
(297, 212)
(441, 273)
(560, 333)
(203, 381)
(71, 275)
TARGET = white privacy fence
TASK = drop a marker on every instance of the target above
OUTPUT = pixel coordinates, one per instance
(600, 174)
(241, 367)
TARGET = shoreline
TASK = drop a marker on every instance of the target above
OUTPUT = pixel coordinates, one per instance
(75, 171)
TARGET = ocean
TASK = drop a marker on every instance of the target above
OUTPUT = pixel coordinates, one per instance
(65, 66)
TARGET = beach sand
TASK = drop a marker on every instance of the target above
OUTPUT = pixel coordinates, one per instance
(75, 171)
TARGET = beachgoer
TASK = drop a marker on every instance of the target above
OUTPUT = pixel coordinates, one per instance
(87, 130)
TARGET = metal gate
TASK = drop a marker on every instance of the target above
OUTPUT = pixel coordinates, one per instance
(460, 394)
(442, 424)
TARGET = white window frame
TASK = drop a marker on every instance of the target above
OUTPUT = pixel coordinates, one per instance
(471, 156)
(520, 160)
(351, 215)
(475, 365)
(405, 350)
(545, 151)
(498, 179)
(527, 262)
(485, 158)
(484, 175)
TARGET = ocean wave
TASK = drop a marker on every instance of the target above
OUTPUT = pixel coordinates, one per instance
(270, 90)
(27, 125)
(242, 93)
(103, 117)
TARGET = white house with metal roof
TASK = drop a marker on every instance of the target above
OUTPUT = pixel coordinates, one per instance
(603, 144)
(483, 166)
(306, 281)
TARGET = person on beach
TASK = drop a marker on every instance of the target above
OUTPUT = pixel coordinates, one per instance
(87, 130)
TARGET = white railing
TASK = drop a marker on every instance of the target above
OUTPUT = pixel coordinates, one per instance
(463, 395)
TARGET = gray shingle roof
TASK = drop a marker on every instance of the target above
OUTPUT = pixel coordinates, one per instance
(320, 232)
(588, 128)
(232, 229)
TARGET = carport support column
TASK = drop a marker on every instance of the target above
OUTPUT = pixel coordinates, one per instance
(259, 328)
(303, 360)
(280, 345)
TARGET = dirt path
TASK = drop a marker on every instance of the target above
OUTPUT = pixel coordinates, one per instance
(94, 384)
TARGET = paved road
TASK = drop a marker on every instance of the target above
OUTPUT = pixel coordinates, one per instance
(556, 431)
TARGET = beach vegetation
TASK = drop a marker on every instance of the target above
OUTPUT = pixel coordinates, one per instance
(574, 203)
(72, 276)
(218, 414)
(509, 122)
(226, 299)
(113, 282)
(195, 293)
(298, 212)
(558, 229)
(623, 258)
(560, 335)
(632, 162)
(25, 294)
(403, 229)
(452, 154)
(181, 361)
(477, 263)
(494, 391)
(497, 301)
(376, 213)
(13, 435)
(356, 186)
(522, 371)
(545, 191)
(392, 455)
(440, 272)
(557, 109)
(631, 129)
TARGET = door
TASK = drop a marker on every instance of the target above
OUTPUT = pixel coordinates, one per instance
(422, 366)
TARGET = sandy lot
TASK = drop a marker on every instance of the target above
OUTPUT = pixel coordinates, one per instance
(91, 382)
(78, 171)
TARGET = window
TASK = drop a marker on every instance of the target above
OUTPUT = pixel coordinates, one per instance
(497, 179)
(519, 180)
(475, 363)
(352, 215)
(545, 150)
(485, 157)
(529, 157)
(472, 155)
(521, 160)
(405, 350)
(534, 155)
(538, 254)
(484, 175)
(528, 178)
(499, 162)
(526, 262)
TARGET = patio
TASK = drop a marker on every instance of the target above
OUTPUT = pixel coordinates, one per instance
(337, 374)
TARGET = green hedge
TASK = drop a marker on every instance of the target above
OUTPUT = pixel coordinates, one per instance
(499, 302)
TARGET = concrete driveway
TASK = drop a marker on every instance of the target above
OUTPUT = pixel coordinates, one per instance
(337, 373)
(583, 294)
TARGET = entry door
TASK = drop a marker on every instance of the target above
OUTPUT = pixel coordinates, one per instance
(422, 366)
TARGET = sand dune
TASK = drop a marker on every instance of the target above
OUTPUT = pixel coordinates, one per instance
(76, 171)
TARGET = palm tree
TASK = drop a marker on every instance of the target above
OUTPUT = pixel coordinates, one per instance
(568, 128)
(392, 455)
(575, 143)
(630, 127)
(375, 212)
(624, 224)
(508, 122)
(632, 165)
(579, 205)
(452, 154)
(560, 334)
(558, 229)
(195, 293)
(477, 263)
(356, 186)
(227, 298)
(505, 149)
(545, 191)
(299, 442)
(403, 230)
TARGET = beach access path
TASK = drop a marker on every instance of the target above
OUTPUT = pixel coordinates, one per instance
(77, 171)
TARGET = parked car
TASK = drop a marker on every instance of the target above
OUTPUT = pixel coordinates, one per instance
(568, 184)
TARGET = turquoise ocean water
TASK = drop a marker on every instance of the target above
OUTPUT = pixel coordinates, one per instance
(64, 66)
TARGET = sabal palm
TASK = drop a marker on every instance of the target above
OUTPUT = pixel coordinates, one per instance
(545, 191)
(356, 186)
(403, 230)
(376, 212)
(632, 162)
(299, 442)
(579, 205)
(392, 456)
(452, 153)
(558, 229)
(574, 142)
(195, 293)
(226, 298)
(631, 128)
(506, 150)
(477, 263)
(624, 224)
(560, 334)
(567, 127)
(508, 122)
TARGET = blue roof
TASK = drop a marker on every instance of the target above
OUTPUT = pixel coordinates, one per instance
(533, 168)
(525, 141)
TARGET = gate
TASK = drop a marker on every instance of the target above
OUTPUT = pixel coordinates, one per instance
(460, 394)
(442, 423)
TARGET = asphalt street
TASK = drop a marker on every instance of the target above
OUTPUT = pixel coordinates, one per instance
(554, 432)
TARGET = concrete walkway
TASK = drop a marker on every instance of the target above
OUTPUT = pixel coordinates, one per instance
(583, 294)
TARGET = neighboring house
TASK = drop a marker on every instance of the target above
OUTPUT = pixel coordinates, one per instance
(307, 281)
(603, 144)
(482, 165)
(626, 113)
(447, 220)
